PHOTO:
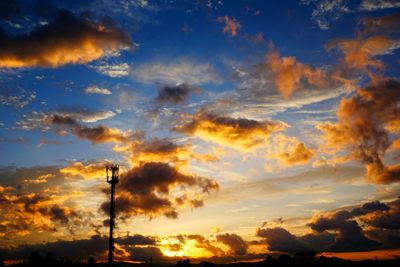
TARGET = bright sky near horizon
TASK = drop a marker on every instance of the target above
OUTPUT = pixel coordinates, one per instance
(242, 128)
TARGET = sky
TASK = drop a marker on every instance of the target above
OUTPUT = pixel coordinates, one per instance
(242, 128)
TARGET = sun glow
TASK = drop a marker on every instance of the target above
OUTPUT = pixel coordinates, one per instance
(172, 247)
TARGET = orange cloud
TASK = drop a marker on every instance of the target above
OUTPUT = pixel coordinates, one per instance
(236, 244)
(239, 133)
(289, 74)
(361, 128)
(359, 53)
(231, 27)
(142, 151)
(289, 151)
(299, 155)
(387, 23)
(66, 40)
(88, 171)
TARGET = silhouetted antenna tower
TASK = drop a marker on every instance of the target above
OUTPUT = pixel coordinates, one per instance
(112, 170)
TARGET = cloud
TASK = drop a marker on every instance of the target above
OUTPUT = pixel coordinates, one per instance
(93, 89)
(115, 70)
(42, 120)
(91, 170)
(289, 151)
(279, 239)
(372, 5)
(13, 140)
(369, 207)
(231, 26)
(137, 247)
(75, 249)
(152, 190)
(65, 40)
(235, 243)
(97, 134)
(19, 100)
(205, 243)
(176, 94)
(385, 23)
(299, 155)
(238, 133)
(136, 240)
(372, 225)
(327, 10)
(140, 151)
(350, 235)
(360, 129)
(385, 216)
(289, 75)
(359, 53)
(26, 212)
(180, 71)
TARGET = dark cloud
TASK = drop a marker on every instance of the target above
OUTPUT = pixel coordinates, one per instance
(350, 234)
(385, 218)
(95, 134)
(144, 254)
(235, 243)
(176, 94)
(279, 239)
(75, 249)
(65, 40)
(373, 225)
(370, 207)
(319, 241)
(136, 240)
(62, 214)
(148, 189)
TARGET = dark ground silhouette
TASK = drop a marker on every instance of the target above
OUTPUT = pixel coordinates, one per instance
(301, 259)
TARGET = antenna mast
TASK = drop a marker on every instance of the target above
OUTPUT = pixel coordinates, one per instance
(112, 170)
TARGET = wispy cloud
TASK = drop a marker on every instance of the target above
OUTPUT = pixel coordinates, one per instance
(114, 70)
(179, 71)
(93, 89)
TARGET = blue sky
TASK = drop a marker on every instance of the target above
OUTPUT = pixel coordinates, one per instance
(241, 120)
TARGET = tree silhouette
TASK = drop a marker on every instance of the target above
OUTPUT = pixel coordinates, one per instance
(91, 262)
(35, 260)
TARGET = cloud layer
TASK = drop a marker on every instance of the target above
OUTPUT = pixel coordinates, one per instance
(65, 40)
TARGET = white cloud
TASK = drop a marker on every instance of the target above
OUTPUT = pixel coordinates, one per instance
(177, 72)
(115, 70)
(37, 120)
(371, 5)
(19, 100)
(87, 116)
(93, 89)
(327, 10)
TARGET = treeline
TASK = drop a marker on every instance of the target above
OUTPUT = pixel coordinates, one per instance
(36, 260)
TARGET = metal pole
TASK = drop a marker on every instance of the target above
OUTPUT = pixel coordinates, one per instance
(114, 180)
(112, 217)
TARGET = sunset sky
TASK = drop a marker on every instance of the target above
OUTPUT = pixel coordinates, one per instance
(242, 128)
